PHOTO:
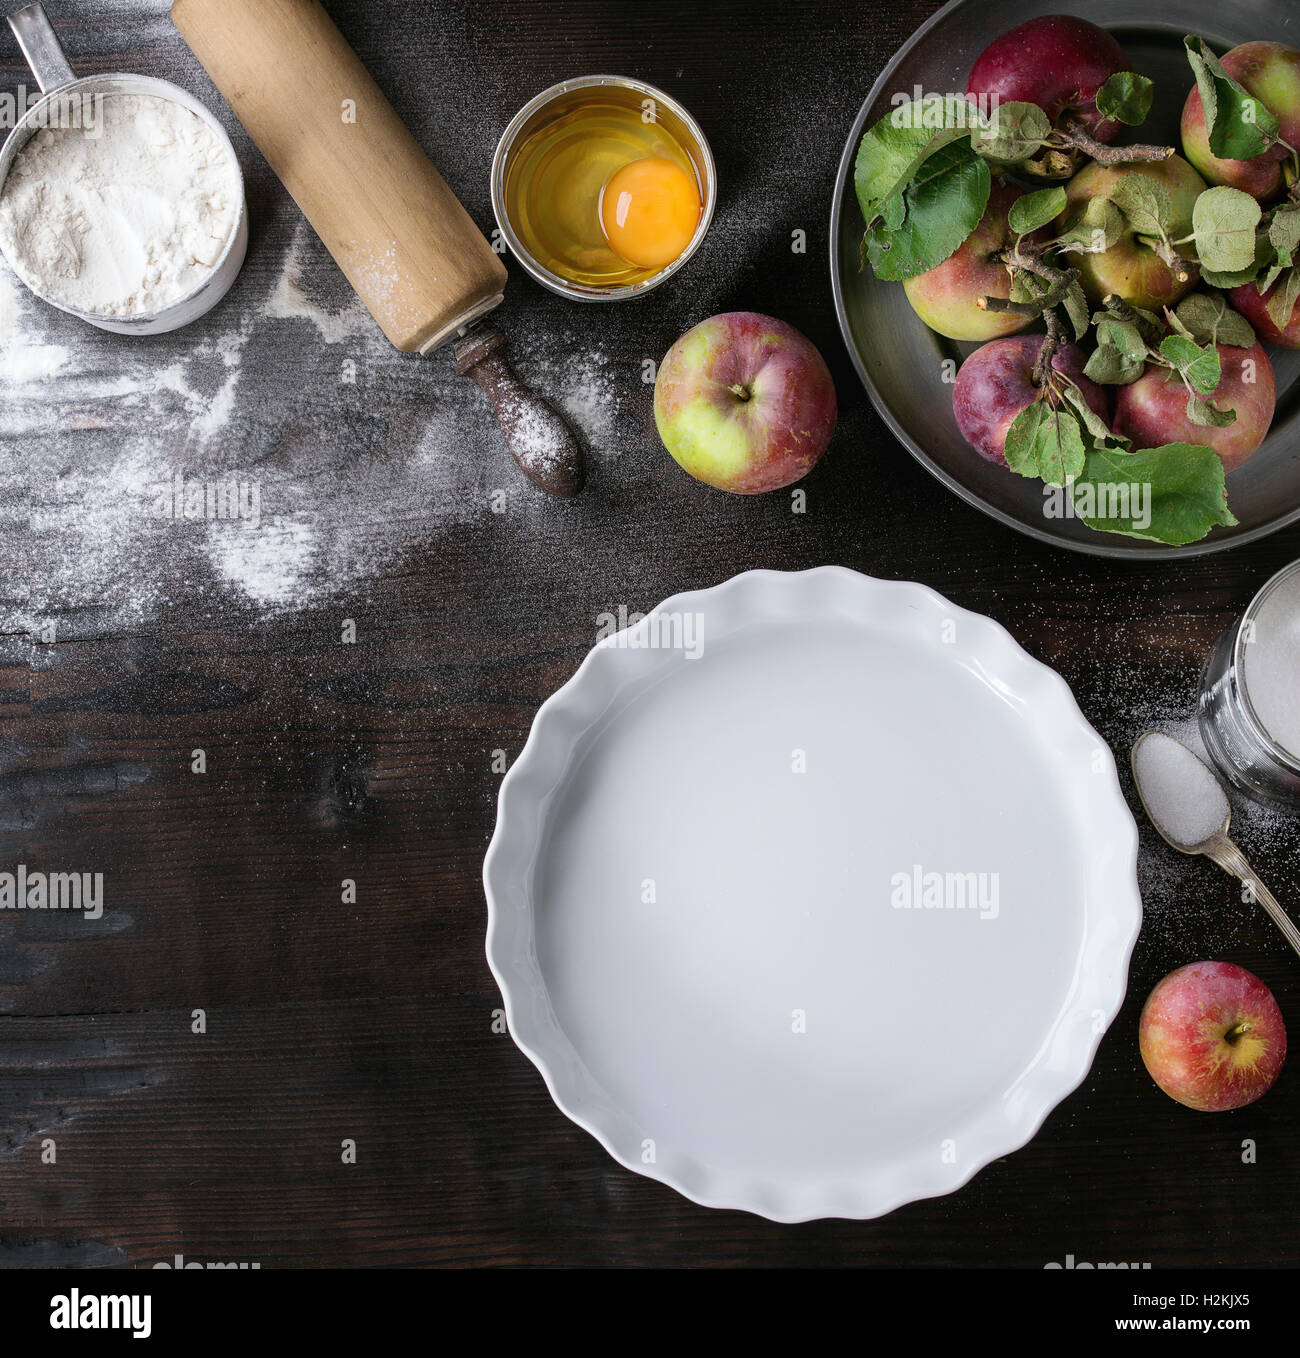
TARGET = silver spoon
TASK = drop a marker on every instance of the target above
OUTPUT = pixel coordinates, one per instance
(1218, 847)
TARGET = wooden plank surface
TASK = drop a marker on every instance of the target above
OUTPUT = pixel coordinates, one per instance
(373, 761)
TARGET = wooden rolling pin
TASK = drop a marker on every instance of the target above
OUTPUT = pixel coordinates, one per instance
(408, 247)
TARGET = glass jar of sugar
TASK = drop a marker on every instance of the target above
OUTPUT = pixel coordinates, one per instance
(1250, 695)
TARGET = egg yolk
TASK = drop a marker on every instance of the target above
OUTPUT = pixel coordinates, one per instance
(649, 209)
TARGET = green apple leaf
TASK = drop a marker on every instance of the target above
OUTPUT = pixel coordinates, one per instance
(1028, 287)
(892, 212)
(1207, 318)
(1284, 233)
(1121, 352)
(1238, 125)
(1096, 228)
(1110, 368)
(892, 151)
(1036, 209)
(1045, 442)
(1284, 299)
(1173, 494)
(1012, 133)
(1269, 277)
(1020, 447)
(1265, 258)
(1215, 279)
(1199, 367)
(1150, 326)
(1096, 429)
(941, 205)
(1144, 202)
(1075, 304)
(1224, 222)
(1206, 413)
(1177, 324)
(1126, 96)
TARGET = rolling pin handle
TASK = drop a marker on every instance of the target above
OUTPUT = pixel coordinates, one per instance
(547, 450)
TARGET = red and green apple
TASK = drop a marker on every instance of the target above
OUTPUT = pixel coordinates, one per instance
(1212, 1036)
(947, 297)
(1271, 73)
(744, 402)
(1131, 269)
(1056, 61)
(997, 382)
(1253, 305)
(1153, 410)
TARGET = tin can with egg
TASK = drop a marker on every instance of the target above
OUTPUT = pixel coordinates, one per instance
(61, 91)
(556, 158)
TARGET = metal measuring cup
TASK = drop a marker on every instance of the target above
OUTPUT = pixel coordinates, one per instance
(44, 53)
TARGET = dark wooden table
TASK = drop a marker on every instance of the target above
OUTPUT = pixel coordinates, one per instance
(374, 761)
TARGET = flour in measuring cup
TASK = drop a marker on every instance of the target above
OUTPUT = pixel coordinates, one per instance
(123, 218)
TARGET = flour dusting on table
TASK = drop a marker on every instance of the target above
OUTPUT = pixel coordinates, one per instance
(359, 454)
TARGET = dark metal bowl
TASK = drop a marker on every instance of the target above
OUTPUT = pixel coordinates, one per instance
(900, 359)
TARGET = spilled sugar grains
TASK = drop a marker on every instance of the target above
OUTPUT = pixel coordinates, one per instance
(1191, 908)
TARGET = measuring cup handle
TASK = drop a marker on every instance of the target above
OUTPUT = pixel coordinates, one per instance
(40, 45)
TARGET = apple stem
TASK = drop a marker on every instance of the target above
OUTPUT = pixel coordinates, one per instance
(1003, 306)
(1051, 342)
(1232, 1036)
(742, 392)
(1077, 135)
(1061, 281)
(1176, 264)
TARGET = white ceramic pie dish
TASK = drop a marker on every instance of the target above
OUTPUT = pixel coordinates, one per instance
(712, 894)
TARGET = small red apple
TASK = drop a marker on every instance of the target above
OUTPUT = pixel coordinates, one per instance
(1254, 307)
(947, 297)
(1056, 61)
(997, 382)
(1153, 410)
(1212, 1036)
(745, 403)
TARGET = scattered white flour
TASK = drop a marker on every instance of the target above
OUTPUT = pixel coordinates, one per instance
(124, 216)
(538, 441)
(361, 455)
(289, 300)
(210, 412)
(32, 362)
(584, 386)
(1272, 664)
(268, 566)
(589, 393)
(1183, 797)
(21, 363)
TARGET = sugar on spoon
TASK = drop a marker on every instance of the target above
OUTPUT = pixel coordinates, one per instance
(1188, 806)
